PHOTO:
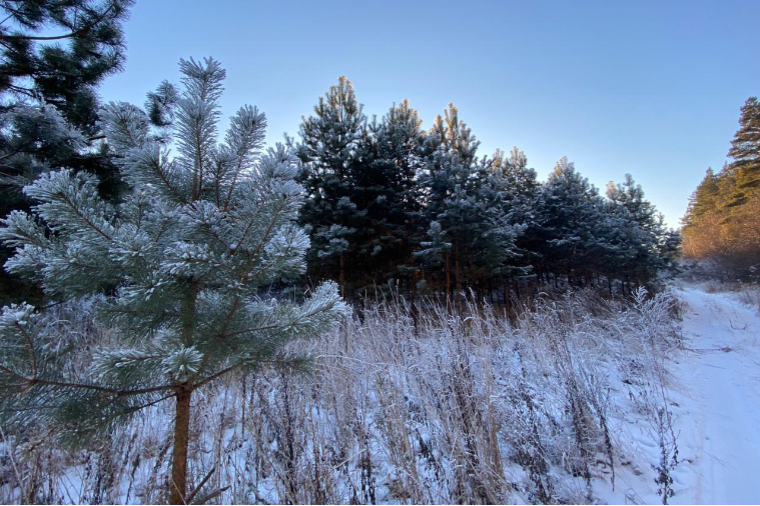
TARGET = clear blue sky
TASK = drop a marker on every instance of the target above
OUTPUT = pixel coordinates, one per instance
(647, 88)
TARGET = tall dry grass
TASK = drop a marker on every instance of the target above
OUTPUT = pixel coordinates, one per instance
(468, 408)
(749, 294)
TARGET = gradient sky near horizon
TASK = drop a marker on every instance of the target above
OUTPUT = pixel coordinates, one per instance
(650, 88)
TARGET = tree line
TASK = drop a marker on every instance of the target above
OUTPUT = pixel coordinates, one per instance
(388, 203)
(391, 203)
(722, 221)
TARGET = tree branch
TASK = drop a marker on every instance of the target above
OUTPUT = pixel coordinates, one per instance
(69, 35)
(217, 374)
(113, 391)
(84, 219)
(271, 327)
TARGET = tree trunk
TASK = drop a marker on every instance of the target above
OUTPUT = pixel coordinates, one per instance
(415, 314)
(457, 272)
(181, 438)
(507, 302)
(448, 282)
(343, 275)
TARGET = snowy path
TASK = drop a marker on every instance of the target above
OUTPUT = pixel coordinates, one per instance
(718, 398)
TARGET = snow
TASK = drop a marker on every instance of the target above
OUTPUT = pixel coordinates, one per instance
(713, 391)
(710, 384)
(719, 415)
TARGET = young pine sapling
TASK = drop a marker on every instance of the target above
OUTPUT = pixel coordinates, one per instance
(182, 262)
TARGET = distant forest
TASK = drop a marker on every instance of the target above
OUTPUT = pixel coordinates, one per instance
(722, 223)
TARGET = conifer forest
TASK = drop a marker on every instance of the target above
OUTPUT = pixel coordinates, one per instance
(370, 309)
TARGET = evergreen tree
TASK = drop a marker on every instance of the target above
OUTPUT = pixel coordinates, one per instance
(519, 184)
(721, 220)
(702, 229)
(669, 247)
(54, 55)
(704, 200)
(745, 151)
(37, 67)
(472, 234)
(329, 149)
(389, 198)
(648, 247)
(624, 241)
(573, 224)
(449, 154)
(191, 251)
(519, 193)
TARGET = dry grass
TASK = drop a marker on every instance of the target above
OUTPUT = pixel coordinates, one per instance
(462, 409)
(713, 280)
(750, 295)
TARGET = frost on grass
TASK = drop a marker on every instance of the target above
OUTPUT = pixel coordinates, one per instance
(468, 408)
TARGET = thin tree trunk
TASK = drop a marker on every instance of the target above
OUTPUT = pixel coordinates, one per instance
(415, 314)
(181, 439)
(507, 302)
(343, 275)
(178, 486)
(448, 282)
(457, 270)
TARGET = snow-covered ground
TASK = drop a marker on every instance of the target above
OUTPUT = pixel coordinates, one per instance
(389, 413)
(719, 401)
(712, 388)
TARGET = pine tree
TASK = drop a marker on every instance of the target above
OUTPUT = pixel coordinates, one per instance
(648, 247)
(745, 151)
(463, 205)
(449, 153)
(573, 225)
(669, 248)
(37, 66)
(389, 198)
(623, 242)
(501, 221)
(704, 200)
(519, 193)
(702, 230)
(721, 220)
(519, 183)
(329, 149)
(628, 223)
(48, 82)
(191, 250)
